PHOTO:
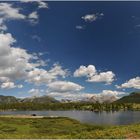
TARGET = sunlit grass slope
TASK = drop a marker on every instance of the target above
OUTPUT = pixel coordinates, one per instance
(62, 128)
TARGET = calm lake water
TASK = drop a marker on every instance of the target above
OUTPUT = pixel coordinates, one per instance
(115, 118)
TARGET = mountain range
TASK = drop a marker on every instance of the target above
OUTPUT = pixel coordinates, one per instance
(131, 98)
(102, 99)
(12, 99)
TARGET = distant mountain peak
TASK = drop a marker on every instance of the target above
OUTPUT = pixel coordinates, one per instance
(102, 99)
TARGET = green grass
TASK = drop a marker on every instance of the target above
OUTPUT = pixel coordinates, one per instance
(62, 128)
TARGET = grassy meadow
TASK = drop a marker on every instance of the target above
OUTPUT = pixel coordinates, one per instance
(62, 127)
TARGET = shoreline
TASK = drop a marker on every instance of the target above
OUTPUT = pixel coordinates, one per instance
(26, 116)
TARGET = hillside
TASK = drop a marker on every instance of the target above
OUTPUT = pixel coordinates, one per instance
(133, 97)
(12, 99)
(62, 128)
(42, 99)
(7, 99)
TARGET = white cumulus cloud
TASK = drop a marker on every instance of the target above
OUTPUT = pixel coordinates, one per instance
(132, 83)
(18, 64)
(33, 17)
(9, 85)
(107, 77)
(41, 4)
(112, 93)
(8, 12)
(64, 86)
(93, 75)
(92, 17)
(88, 71)
(41, 76)
(14, 62)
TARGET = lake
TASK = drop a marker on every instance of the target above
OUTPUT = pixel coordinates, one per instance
(114, 118)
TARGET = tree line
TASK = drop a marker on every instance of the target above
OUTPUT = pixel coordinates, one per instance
(70, 106)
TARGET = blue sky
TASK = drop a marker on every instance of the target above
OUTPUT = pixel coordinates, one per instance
(81, 48)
